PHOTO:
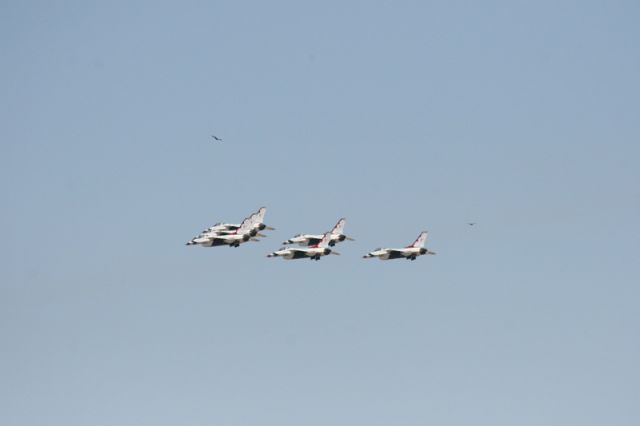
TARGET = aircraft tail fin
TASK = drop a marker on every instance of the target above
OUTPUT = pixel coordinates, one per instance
(260, 214)
(324, 242)
(419, 242)
(339, 227)
(246, 225)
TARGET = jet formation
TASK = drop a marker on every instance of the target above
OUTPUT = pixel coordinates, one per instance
(231, 234)
(313, 252)
(313, 246)
(309, 246)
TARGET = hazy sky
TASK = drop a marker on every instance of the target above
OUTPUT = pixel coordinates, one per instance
(400, 116)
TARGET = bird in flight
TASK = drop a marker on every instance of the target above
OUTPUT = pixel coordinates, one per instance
(216, 138)
(471, 223)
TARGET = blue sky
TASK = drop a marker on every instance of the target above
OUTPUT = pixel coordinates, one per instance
(400, 116)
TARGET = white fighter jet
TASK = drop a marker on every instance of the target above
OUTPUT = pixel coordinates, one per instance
(229, 228)
(410, 252)
(233, 239)
(337, 235)
(314, 252)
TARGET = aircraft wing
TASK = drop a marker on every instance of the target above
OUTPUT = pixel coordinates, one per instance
(312, 241)
(218, 240)
(394, 253)
(222, 238)
(300, 252)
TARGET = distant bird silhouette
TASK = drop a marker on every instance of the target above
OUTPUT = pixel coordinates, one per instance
(471, 223)
(216, 138)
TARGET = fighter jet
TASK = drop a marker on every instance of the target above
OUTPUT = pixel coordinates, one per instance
(337, 235)
(233, 239)
(314, 252)
(410, 252)
(229, 228)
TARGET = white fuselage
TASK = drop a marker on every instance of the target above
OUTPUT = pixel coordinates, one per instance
(398, 253)
(222, 228)
(301, 253)
(220, 240)
(311, 239)
(230, 228)
(208, 234)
